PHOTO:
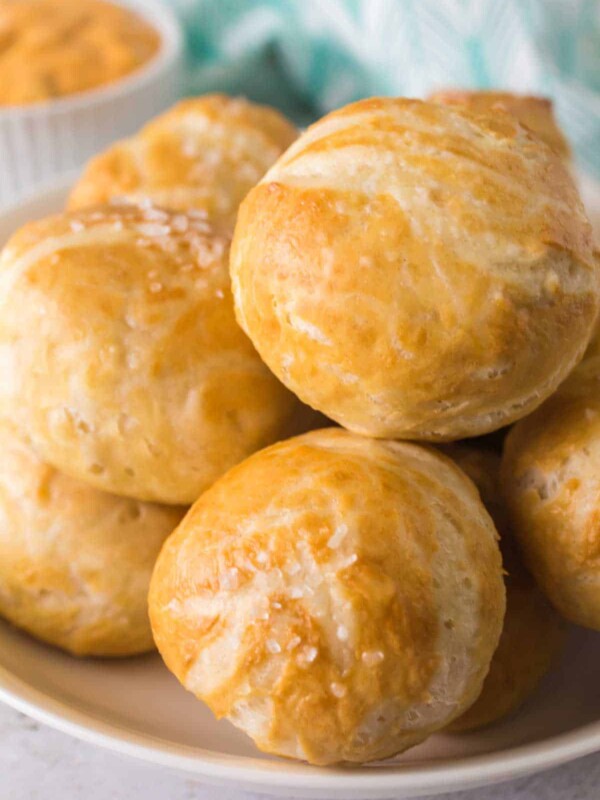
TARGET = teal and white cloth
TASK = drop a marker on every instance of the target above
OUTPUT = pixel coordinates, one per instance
(309, 56)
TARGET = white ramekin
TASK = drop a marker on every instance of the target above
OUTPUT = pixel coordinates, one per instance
(43, 140)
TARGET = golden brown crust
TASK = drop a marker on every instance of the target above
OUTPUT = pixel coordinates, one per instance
(338, 598)
(121, 358)
(551, 478)
(537, 113)
(533, 633)
(75, 563)
(205, 152)
(532, 638)
(53, 48)
(393, 270)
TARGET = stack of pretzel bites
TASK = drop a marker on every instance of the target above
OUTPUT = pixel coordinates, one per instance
(127, 386)
(420, 273)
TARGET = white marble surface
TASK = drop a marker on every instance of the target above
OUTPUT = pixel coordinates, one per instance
(39, 763)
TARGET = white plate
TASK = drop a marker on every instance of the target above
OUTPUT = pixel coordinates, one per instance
(136, 707)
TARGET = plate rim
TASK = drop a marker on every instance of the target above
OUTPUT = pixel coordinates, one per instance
(279, 776)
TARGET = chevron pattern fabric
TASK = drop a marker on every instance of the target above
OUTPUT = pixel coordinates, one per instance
(309, 56)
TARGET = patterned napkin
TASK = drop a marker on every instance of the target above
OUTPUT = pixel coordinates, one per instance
(309, 56)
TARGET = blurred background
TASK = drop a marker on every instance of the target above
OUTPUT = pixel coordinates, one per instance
(307, 57)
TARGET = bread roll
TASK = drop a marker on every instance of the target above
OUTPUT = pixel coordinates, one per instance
(533, 632)
(335, 597)
(75, 563)
(204, 153)
(414, 270)
(537, 113)
(120, 356)
(551, 476)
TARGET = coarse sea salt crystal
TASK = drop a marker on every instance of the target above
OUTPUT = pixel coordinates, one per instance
(217, 249)
(197, 213)
(153, 229)
(156, 214)
(372, 657)
(296, 592)
(180, 223)
(200, 227)
(204, 255)
(307, 654)
(342, 633)
(273, 646)
(229, 579)
(338, 689)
